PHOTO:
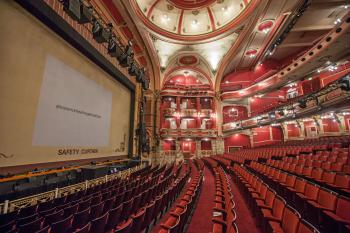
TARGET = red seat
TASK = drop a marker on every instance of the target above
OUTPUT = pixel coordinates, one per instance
(125, 227)
(64, 225)
(289, 223)
(138, 219)
(305, 227)
(274, 214)
(98, 224)
(84, 229)
(338, 219)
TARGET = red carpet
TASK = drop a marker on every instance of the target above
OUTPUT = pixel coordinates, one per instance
(245, 221)
(201, 220)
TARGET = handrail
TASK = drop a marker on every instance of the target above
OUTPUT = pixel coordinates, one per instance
(9, 206)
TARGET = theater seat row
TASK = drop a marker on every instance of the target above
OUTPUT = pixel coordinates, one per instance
(271, 211)
(322, 207)
(110, 207)
(183, 208)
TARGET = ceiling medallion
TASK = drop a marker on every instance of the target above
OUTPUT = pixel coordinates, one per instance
(188, 60)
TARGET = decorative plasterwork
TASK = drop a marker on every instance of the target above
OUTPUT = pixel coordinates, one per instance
(212, 52)
(182, 20)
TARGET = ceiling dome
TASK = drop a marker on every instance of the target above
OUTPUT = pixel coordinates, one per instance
(192, 19)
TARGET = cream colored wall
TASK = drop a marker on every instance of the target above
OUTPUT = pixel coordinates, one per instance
(24, 46)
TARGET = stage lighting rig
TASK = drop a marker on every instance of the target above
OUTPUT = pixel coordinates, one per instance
(145, 84)
(100, 33)
(133, 70)
(78, 11)
(126, 58)
(140, 75)
(113, 48)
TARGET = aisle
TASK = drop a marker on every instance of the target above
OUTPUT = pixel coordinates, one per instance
(245, 221)
(201, 219)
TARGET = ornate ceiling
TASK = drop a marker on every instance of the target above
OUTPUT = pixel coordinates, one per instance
(209, 39)
(192, 20)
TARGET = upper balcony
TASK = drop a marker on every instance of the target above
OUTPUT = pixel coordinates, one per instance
(336, 94)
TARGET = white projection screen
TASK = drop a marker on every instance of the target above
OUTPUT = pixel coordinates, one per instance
(73, 110)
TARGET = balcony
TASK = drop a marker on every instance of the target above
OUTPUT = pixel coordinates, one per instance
(169, 112)
(188, 133)
(188, 113)
(206, 112)
(331, 95)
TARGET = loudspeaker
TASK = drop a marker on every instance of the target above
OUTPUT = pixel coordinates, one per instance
(302, 103)
(100, 33)
(345, 84)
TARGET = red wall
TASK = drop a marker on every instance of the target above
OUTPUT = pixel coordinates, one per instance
(262, 135)
(293, 130)
(205, 145)
(246, 78)
(330, 126)
(188, 146)
(237, 140)
(242, 113)
(169, 145)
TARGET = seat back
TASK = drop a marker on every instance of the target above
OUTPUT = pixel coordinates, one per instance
(96, 210)
(84, 229)
(64, 225)
(278, 207)
(54, 217)
(343, 207)
(290, 220)
(311, 191)
(70, 210)
(114, 217)
(138, 219)
(81, 218)
(31, 226)
(290, 181)
(305, 227)
(327, 199)
(125, 227)
(342, 181)
(328, 177)
(149, 215)
(300, 185)
(270, 196)
(98, 224)
(46, 229)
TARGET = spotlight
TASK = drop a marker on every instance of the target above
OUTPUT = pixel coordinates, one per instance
(113, 48)
(345, 84)
(100, 33)
(78, 11)
(133, 70)
(302, 103)
(145, 84)
(139, 75)
(126, 58)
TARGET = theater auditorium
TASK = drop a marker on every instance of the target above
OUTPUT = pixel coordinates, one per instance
(175, 116)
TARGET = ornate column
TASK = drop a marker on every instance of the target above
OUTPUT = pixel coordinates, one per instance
(198, 149)
(220, 147)
(198, 119)
(178, 155)
(217, 105)
(178, 110)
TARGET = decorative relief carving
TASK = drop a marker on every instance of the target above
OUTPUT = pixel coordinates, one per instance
(2, 155)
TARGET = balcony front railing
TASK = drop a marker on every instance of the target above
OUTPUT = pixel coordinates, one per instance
(188, 132)
(9, 206)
